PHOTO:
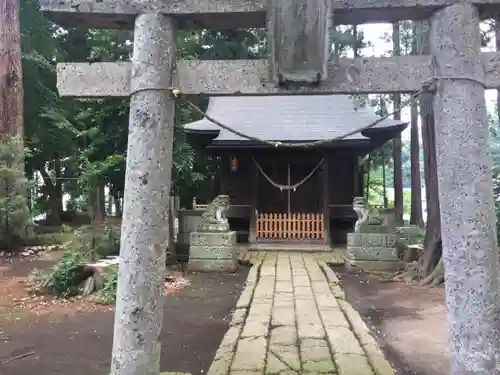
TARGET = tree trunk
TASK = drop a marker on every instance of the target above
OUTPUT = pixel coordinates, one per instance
(396, 150)
(367, 183)
(432, 240)
(11, 103)
(56, 196)
(416, 216)
(11, 79)
(109, 205)
(102, 200)
(118, 206)
(355, 47)
(384, 182)
(53, 191)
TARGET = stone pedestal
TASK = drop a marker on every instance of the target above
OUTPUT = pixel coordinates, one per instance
(212, 252)
(189, 221)
(373, 251)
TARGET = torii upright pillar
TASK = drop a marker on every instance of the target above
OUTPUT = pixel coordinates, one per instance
(470, 250)
(139, 304)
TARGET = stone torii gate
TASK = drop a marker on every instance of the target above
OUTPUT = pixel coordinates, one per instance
(461, 74)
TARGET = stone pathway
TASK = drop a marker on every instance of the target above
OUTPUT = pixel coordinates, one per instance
(292, 319)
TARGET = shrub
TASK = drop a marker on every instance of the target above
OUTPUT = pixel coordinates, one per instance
(66, 277)
(107, 294)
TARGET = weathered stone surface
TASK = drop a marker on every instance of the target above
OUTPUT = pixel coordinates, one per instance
(470, 250)
(283, 357)
(377, 360)
(303, 292)
(337, 291)
(212, 239)
(250, 354)
(147, 189)
(263, 292)
(230, 338)
(283, 316)
(316, 356)
(292, 62)
(219, 252)
(370, 265)
(261, 311)
(212, 265)
(284, 300)
(252, 276)
(290, 334)
(330, 275)
(286, 335)
(213, 227)
(333, 318)
(225, 77)
(357, 324)
(229, 14)
(326, 301)
(301, 281)
(372, 239)
(210, 252)
(222, 361)
(284, 287)
(343, 341)
(321, 287)
(385, 254)
(312, 331)
(352, 364)
(245, 297)
(255, 328)
(238, 316)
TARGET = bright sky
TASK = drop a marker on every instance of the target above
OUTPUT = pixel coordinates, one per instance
(375, 33)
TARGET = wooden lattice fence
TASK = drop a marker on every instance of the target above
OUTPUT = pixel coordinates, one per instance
(293, 226)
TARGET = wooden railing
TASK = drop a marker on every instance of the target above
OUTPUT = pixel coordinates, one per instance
(294, 226)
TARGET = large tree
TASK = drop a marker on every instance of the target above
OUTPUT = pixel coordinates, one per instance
(13, 204)
(397, 143)
(432, 271)
(416, 215)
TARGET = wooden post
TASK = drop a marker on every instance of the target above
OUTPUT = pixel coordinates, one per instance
(326, 200)
(470, 250)
(139, 305)
(252, 236)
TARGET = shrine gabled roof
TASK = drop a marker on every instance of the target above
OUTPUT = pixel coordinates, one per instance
(288, 118)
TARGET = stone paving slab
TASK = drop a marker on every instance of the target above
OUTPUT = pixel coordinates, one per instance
(292, 319)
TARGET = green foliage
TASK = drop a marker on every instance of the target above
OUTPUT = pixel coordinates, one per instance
(14, 214)
(107, 294)
(66, 277)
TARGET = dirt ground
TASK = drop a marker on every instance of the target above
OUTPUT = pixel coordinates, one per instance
(44, 336)
(408, 321)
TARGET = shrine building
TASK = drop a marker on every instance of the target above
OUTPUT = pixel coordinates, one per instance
(283, 194)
